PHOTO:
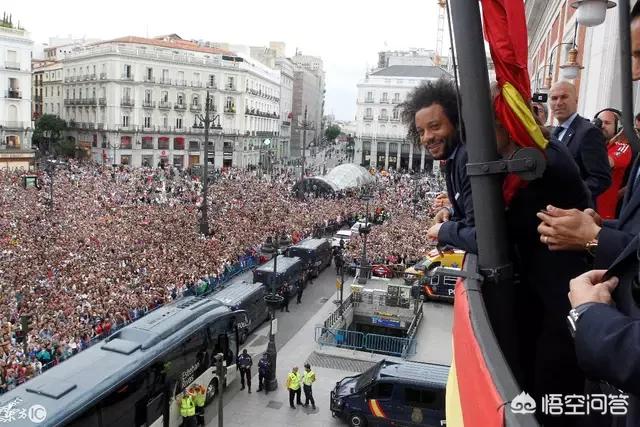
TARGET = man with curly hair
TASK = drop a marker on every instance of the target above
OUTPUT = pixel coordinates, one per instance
(431, 112)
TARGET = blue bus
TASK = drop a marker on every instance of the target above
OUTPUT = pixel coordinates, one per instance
(136, 376)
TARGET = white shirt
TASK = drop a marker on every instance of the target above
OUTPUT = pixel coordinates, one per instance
(565, 125)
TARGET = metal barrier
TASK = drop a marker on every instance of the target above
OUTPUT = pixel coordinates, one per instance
(336, 315)
(384, 344)
(339, 338)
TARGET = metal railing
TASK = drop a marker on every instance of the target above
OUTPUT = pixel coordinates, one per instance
(375, 343)
(11, 65)
(337, 315)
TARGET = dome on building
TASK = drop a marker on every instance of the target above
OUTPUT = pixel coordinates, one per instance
(340, 178)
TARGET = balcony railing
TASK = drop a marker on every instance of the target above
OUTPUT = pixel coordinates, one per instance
(181, 82)
(230, 110)
(369, 101)
(194, 147)
(286, 123)
(196, 84)
(89, 101)
(14, 93)
(368, 118)
(102, 101)
(127, 102)
(384, 101)
(165, 81)
(395, 119)
(103, 76)
(128, 77)
(395, 101)
(100, 126)
(92, 76)
(195, 107)
(211, 85)
(180, 106)
(149, 79)
(37, 98)
(230, 88)
(11, 65)
(14, 124)
(148, 104)
(383, 118)
(165, 105)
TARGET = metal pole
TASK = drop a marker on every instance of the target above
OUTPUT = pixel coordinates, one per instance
(625, 76)
(204, 219)
(304, 144)
(220, 372)
(272, 353)
(488, 203)
(341, 278)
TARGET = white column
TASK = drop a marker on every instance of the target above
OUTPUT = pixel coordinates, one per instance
(422, 153)
(386, 154)
(410, 156)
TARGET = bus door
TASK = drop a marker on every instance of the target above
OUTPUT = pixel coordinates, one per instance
(154, 411)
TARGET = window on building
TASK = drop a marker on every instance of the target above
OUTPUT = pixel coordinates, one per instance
(126, 93)
(368, 113)
(179, 123)
(147, 96)
(195, 100)
(149, 74)
(212, 80)
(229, 104)
(196, 77)
(165, 76)
(369, 96)
(396, 97)
(230, 82)
(180, 99)
(125, 121)
(147, 121)
(127, 71)
(94, 69)
(165, 121)
(164, 96)
(93, 93)
(395, 113)
(384, 96)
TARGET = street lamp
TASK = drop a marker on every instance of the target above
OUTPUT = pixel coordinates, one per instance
(364, 231)
(592, 12)
(273, 300)
(208, 121)
(115, 146)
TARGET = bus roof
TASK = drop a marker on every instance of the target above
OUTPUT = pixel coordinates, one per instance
(93, 373)
(310, 244)
(415, 372)
(284, 262)
(235, 292)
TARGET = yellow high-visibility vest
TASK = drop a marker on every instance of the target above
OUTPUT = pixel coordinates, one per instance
(293, 381)
(308, 378)
(187, 407)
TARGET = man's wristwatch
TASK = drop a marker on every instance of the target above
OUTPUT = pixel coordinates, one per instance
(574, 316)
(591, 246)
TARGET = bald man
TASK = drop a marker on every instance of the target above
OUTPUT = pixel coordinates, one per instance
(585, 142)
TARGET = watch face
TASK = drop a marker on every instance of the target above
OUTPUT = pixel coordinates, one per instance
(571, 323)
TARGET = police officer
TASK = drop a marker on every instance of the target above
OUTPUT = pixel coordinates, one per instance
(308, 378)
(293, 385)
(299, 290)
(187, 409)
(284, 290)
(199, 398)
(244, 364)
(264, 369)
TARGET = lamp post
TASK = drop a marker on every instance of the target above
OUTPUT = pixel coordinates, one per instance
(592, 12)
(115, 146)
(208, 121)
(304, 126)
(273, 300)
(364, 267)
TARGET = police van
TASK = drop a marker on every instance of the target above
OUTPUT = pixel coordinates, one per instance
(289, 269)
(249, 297)
(393, 393)
(316, 253)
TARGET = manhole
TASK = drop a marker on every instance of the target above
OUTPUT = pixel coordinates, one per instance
(323, 300)
(337, 362)
(274, 405)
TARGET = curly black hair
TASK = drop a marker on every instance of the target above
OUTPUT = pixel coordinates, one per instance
(442, 92)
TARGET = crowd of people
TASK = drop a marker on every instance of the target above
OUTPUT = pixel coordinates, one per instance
(116, 243)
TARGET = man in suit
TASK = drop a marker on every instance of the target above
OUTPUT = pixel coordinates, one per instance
(583, 139)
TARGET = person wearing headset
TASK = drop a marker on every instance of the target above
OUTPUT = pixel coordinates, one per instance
(620, 158)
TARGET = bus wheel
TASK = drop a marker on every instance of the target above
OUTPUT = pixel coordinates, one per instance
(212, 390)
(357, 419)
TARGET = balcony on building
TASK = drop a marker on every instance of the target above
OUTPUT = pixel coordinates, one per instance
(127, 102)
(383, 118)
(92, 76)
(211, 85)
(90, 101)
(180, 106)
(11, 65)
(230, 109)
(14, 93)
(181, 82)
(230, 88)
(164, 105)
(103, 76)
(128, 77)
(384, 101)
(147, 103)
(165, 81)
(395, 119)
(100, 126)
(149, 79)
(102, 101)
(14, 125)
(194, 146)
(196, 84)
(369, 101)
(368, 118)
(195, 107)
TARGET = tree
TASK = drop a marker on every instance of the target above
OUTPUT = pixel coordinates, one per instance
(332, 132)
(55, 125)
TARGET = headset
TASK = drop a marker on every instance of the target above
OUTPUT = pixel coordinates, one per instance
(617, 114)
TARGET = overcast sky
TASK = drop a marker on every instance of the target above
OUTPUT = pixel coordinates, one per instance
(347, 34)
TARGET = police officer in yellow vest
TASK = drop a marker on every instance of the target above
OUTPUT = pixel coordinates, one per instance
(293, 385)
(199, 398)
(308, 378)
(187, 409)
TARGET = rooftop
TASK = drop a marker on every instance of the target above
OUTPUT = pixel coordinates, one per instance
(412, 71)
(171, 41)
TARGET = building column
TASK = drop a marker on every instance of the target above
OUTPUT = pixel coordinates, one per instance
(411, 156)
(422, 154)
(386, 154)
(399, 155)
(374, 153)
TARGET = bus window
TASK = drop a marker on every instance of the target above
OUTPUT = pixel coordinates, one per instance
(116, 408)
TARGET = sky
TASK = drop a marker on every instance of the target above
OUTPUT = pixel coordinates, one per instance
(346, 34)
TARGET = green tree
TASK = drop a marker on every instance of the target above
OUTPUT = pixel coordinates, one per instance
(332, 132)
(53, 140)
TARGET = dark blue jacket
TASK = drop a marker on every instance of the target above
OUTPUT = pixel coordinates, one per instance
(264, 366)
(244, 361)
(608, 338)
(616, 234)
(588, 148)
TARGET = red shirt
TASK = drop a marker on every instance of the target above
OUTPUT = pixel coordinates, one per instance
(620, 152)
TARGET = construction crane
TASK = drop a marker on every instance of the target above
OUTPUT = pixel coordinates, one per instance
(440, 34)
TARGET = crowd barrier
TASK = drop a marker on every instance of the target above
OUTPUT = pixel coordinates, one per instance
(375, 343)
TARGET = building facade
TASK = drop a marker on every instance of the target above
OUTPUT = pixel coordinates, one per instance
(308, 92)
(381, 139)
(286, 109)
(15, 97)
(140, 101)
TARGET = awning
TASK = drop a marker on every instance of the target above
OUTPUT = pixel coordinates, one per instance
(125, 140)
(163, 139)
(178, 140)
